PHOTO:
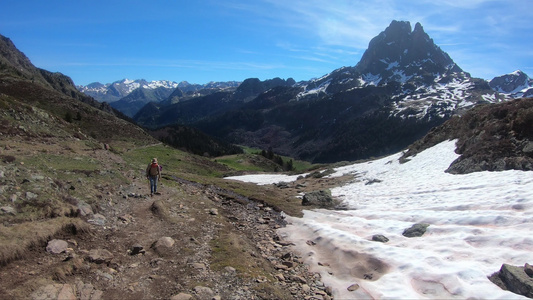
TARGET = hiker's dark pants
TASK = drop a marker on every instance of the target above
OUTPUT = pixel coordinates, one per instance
(153, 184)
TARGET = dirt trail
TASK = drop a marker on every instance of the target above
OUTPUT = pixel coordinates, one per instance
(224, 245)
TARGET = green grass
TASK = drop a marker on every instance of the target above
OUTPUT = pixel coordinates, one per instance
(239, 162)
(174, 162)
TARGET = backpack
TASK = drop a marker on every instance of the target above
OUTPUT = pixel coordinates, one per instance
(154, 169)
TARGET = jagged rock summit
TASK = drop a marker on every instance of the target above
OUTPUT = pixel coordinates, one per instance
(421, 79)
(399, 54)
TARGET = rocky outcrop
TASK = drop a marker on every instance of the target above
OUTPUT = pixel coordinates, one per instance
(516, 280)
(491, 137)
(320, 198)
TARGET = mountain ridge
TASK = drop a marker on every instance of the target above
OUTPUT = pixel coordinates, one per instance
(112, 92)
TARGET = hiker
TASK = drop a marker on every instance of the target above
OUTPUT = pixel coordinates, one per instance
(153, 173)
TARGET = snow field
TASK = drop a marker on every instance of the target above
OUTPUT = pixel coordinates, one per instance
(477, 222)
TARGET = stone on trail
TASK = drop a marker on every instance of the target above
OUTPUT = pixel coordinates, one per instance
(56, 246)
(181, 296)
(204, 292)
(55, 291)
(100, 256)
(136, 249)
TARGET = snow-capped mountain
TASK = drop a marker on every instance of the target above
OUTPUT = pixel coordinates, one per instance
(422, 78)
(515, 85)
(117, 90)
(112, 92)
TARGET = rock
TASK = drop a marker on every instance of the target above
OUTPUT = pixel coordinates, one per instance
(87, 291)
(165, 242)
(8, 210)
(100, 256)
(181, 296)
(280, 277)
(104, 275)
(213, 211)
(198, 266)
(288, 264)
(230, 270)
(163, 246)
(127, 218)
(282, 185)
(36, 177)
(298, 278)
(136, 249)
(416, 230)
(380, 238)
(528, 269)
(97, 219)
(204, 292)
(56, 246)
(30, 195)
(55, 291)
(85, 209)
(353, 287)
(320, 198)
(528, 148)
(516, 280)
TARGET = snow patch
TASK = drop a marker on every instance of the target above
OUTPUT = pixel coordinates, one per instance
(477, 222)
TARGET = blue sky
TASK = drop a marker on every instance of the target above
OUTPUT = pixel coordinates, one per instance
(222, 40)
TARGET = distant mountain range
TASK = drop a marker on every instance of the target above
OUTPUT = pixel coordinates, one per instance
(129, 96)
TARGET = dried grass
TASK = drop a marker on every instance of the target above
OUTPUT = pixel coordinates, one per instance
(16, 240)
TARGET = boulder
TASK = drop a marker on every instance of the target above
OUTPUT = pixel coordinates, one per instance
(528, 269)
(56, 246)
(517, 280)
(163, 246)
(97, 219)
(165, 242)
(8, 210)
(100, 256)
(85, 209)
(181, 296)
(416, 230)
(380, 238)
(320, 198)
(136, 249)
(55, 291)
(204, 292)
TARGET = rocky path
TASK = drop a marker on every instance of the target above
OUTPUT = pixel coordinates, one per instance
(190, 242)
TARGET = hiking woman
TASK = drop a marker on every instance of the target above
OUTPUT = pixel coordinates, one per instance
(153, 173)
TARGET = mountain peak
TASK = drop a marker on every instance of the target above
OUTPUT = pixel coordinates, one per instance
(516, 84)
(399, 50)
(418, 28)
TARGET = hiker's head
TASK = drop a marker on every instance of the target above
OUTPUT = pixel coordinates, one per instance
(154, 160)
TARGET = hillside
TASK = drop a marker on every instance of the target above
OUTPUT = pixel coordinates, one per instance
(77, 221)
(494, 137)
